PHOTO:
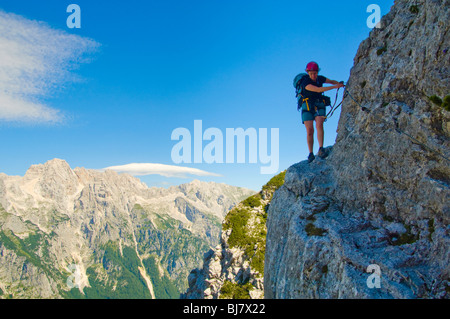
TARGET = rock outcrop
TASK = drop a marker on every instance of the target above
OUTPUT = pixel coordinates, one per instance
(372, 220)
(234, 269)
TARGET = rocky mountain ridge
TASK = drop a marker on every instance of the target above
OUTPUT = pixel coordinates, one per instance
(234, 269)
(113, 234)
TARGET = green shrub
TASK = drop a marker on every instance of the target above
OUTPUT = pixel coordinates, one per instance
(406, 238)
(253, 201)
(231, 290)
(246, 237)
(435, 99)
(237, 221)
(380, 51)
(414, 9)
(446, 103)
(257, 262)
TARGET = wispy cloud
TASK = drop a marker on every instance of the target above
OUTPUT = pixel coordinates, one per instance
(36, 60)
(141, 169)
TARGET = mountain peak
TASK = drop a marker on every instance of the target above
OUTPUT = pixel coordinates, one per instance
(55, 164)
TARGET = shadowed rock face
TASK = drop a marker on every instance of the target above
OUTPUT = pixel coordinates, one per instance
(381, 197)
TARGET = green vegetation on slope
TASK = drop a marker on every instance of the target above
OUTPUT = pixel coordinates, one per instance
(247, 222)
(163, 287)
(232, 290)
(274, 183)
(444, 103)
(116, 276)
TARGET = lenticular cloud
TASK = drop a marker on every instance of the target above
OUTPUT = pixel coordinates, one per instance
(36, 60)
(140, 169)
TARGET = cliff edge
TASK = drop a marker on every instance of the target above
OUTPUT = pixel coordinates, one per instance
(372, 220)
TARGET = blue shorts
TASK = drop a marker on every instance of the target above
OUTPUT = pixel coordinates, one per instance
(309, 112)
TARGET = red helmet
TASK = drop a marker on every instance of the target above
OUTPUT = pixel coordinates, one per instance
(312, 66)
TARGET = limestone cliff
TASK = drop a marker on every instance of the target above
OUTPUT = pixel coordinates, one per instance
(380, 201)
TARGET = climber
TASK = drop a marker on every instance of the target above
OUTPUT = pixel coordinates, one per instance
(313, 104)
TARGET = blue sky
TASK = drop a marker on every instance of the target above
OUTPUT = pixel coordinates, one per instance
(111, 93)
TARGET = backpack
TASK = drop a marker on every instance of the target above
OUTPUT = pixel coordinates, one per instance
(297, 80)
(298, 91)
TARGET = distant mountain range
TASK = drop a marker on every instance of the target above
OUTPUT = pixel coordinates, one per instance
(86, 234)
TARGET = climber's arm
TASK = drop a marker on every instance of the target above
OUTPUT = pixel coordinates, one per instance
(331, 81)
(317, 89)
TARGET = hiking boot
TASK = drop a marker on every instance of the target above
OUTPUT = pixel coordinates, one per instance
(311, 157)
(322, 153)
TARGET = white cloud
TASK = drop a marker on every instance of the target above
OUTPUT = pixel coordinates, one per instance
(141, 169)
(35, 60)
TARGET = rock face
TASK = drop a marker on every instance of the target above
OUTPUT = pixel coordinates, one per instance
(372, 220)
(105, 234)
